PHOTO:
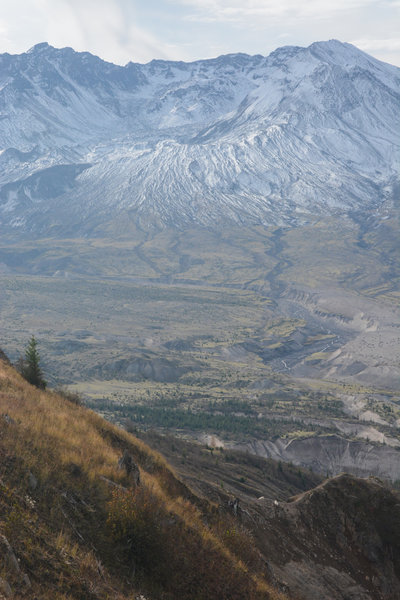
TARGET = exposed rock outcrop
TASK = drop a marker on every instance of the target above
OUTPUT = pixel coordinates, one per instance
(132, 470)
(32, 481)
(10, 562)
(332, 454)
(5, 589)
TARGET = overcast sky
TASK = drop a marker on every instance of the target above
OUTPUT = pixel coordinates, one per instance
(140, 30)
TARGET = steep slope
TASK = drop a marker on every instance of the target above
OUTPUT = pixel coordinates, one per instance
(218, 472)
(305, 131)
(75, 526)
(337, 541)
(340, 540)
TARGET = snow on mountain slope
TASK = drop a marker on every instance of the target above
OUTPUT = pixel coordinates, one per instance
(275, 140)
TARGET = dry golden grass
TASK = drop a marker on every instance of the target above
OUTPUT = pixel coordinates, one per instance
(83, 526)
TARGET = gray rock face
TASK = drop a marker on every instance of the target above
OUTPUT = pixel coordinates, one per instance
(5, 588)
(271, 140)
(139, 368)
(333, 454)
(10, 560)
(127, 463)
(9, 565)
(33, 482)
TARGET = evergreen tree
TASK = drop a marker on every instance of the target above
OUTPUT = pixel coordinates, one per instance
(31, 365)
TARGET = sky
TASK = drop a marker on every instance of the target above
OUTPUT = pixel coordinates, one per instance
(140, 30)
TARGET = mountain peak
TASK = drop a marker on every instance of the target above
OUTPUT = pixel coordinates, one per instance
(337, 52)
(332, 44)
(39, 47)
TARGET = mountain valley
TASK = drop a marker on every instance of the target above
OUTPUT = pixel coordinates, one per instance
(211, 248)
(225, 331)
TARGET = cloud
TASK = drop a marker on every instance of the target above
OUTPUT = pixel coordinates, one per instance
(237, 10)
(389, 44)
(140, 30)
(109, 28)
(386, 49)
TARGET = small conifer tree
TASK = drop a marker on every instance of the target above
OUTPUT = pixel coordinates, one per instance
(30, 368)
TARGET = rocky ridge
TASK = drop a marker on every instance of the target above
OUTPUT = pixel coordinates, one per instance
(340, 540)
(247, 139)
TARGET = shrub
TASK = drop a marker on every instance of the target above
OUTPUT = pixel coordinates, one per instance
(174, 551)
(72, 397)
(134, 521)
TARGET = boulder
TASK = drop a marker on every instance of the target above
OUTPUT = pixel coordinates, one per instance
(6, 553)
(132, 470)
(5, 589)
(233, 505)
(32, 481)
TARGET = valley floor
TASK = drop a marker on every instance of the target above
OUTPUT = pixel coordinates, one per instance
(279, 341)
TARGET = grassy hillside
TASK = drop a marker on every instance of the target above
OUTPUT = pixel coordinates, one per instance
(73, 525)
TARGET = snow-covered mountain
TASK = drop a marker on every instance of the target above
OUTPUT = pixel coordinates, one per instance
(271, 140)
